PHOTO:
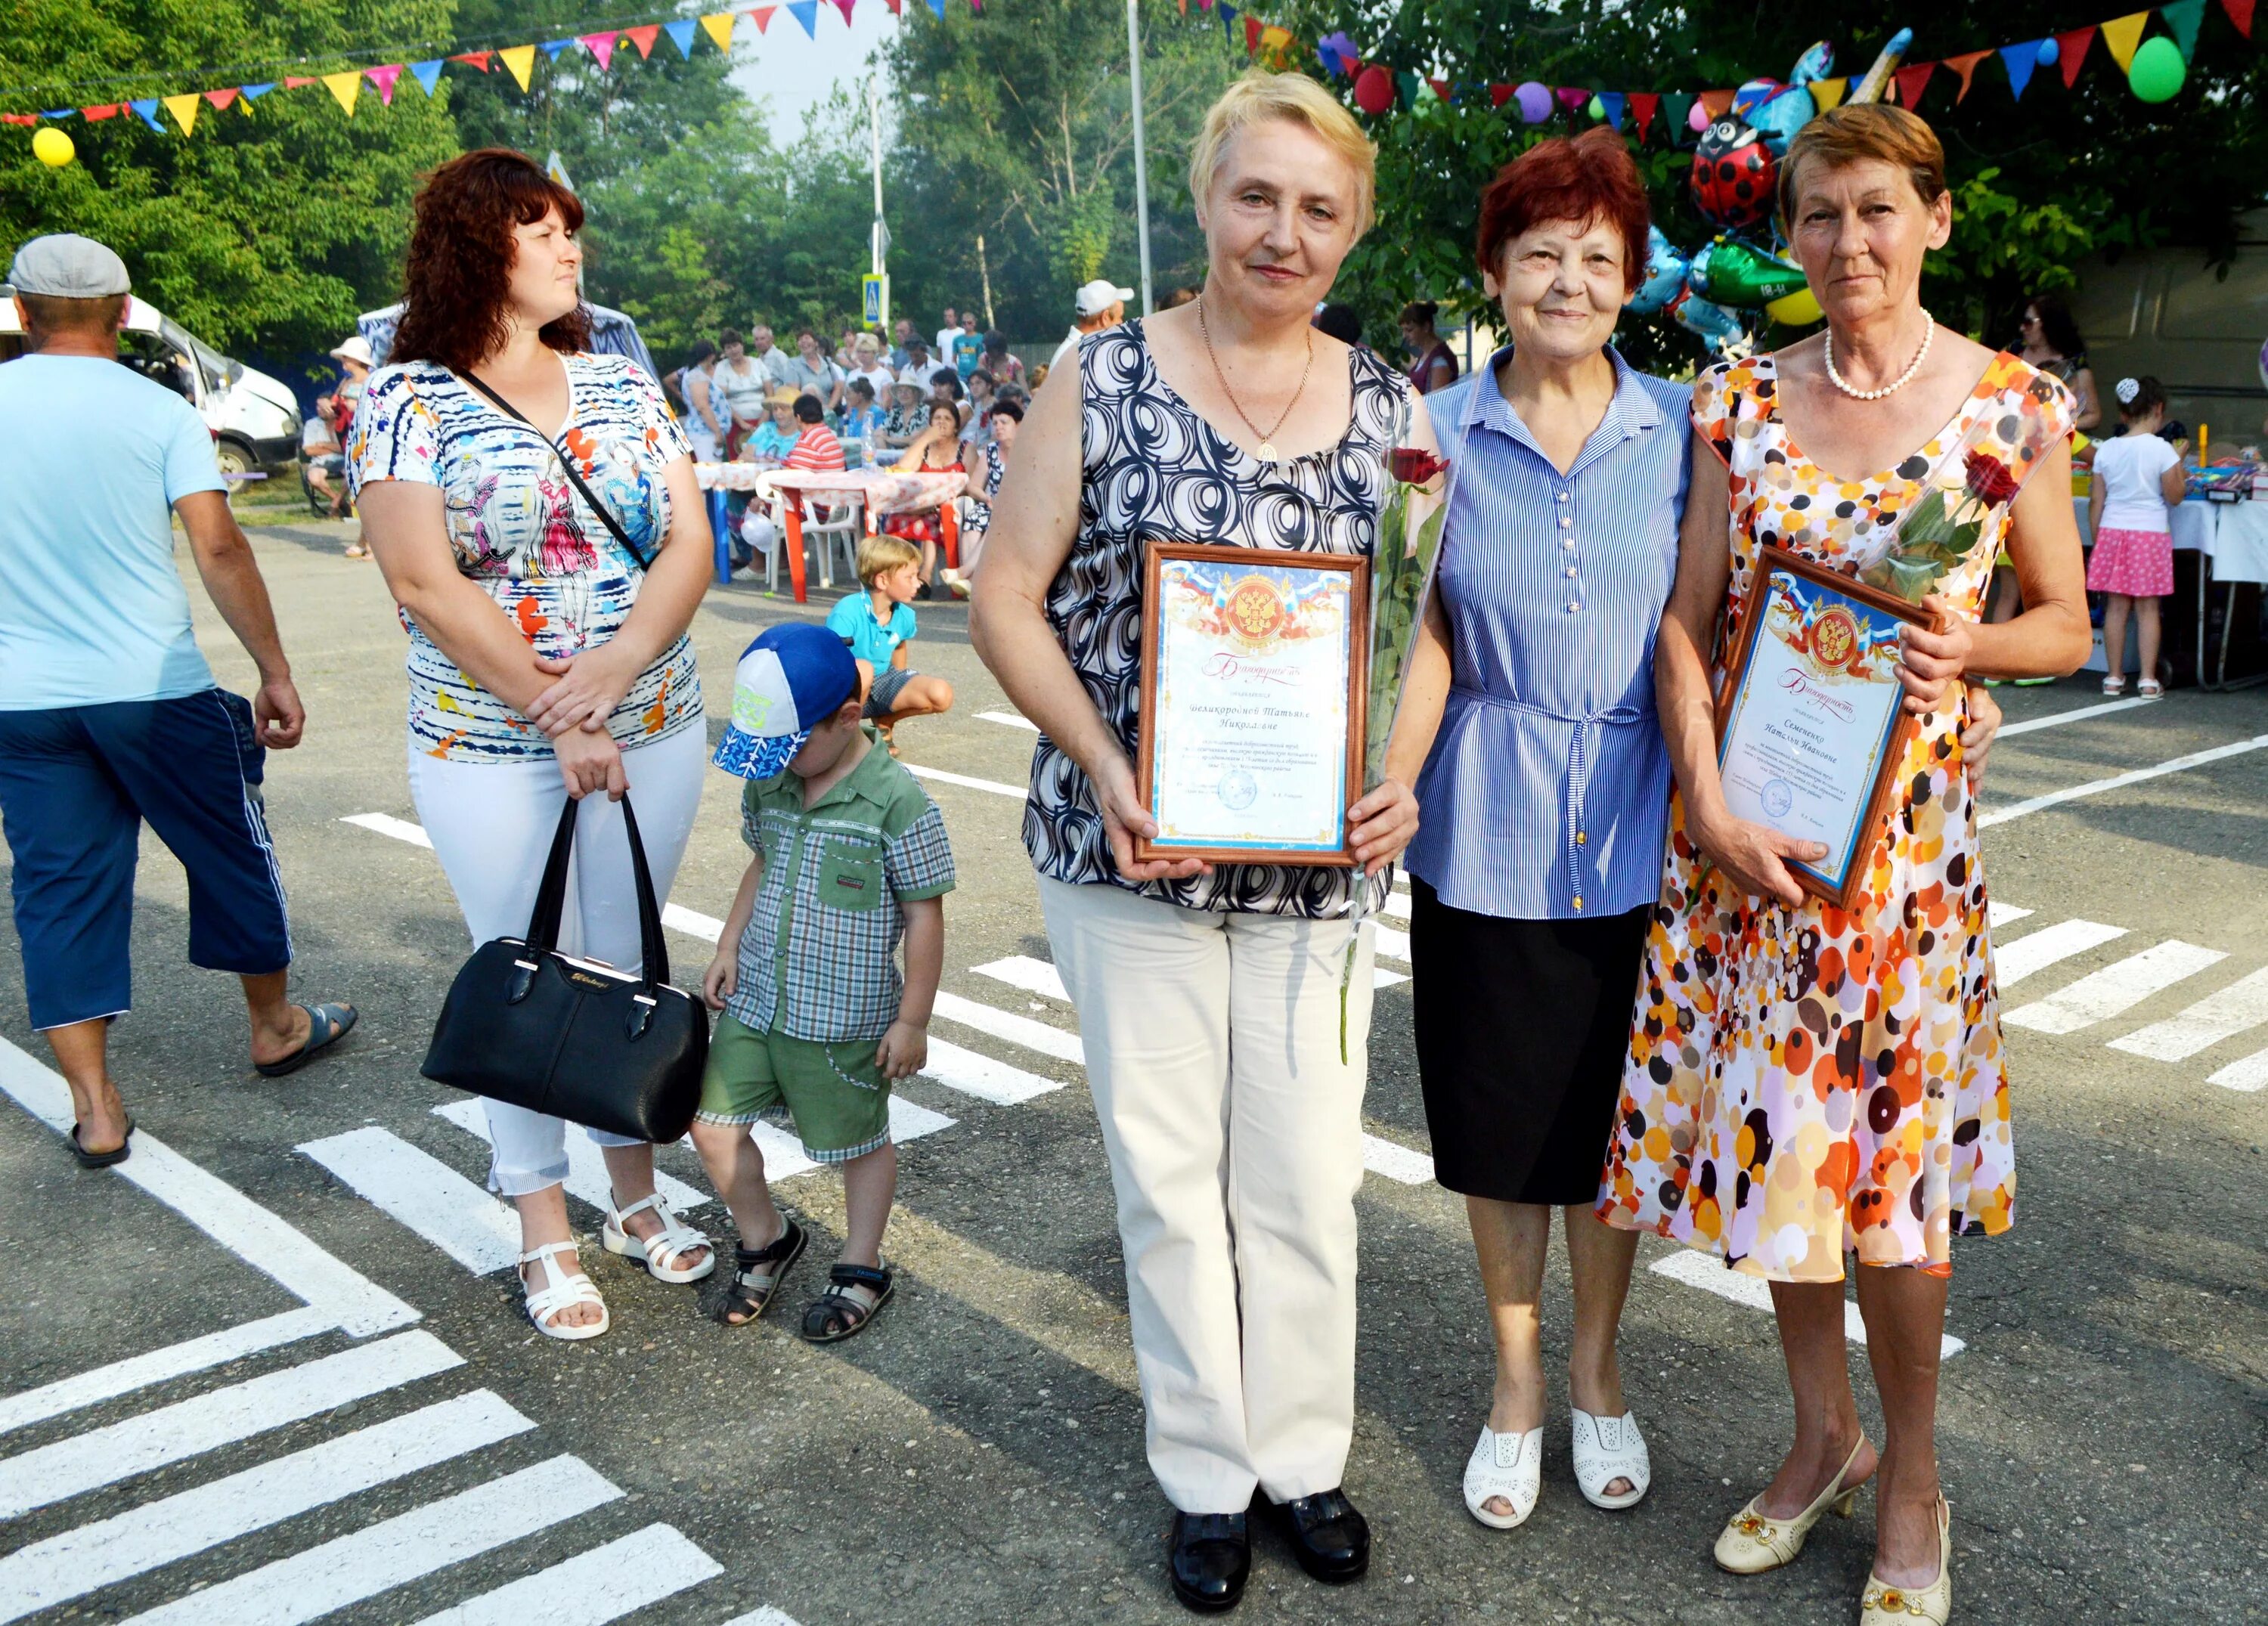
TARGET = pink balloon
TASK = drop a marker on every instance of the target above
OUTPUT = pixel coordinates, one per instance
(1698, 118)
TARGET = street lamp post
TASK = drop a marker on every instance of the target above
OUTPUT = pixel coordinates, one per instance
(881, 233)
(1141, 162)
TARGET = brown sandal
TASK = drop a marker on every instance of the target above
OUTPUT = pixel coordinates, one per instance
(757, 1273)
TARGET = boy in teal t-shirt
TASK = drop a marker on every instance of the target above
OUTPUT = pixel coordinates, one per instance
(877, 624)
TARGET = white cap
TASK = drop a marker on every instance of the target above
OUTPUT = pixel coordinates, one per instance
(914, 378)
(65, 266)
(1095, 297)
(356, 348)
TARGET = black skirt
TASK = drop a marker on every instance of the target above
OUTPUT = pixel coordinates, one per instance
(1522, 1026)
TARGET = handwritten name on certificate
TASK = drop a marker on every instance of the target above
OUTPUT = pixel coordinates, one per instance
(1817, 705)
(1248, 738)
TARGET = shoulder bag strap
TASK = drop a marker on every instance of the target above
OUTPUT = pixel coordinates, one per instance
(551, 896)
(567, 463)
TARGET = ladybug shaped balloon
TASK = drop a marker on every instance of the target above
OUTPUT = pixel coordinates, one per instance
(1734, 174)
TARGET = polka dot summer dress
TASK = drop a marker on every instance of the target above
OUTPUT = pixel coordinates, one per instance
(1804, 1083)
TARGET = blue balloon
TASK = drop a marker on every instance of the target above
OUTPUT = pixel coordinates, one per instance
(1782, 116)
(1665, 275)
(1720, 326)
(2049, 52)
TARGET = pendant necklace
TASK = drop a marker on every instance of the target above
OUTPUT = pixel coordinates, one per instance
(1267, 452)
(1841, 383)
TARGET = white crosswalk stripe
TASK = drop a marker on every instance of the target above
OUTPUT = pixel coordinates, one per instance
(2035, 953)
(319, 1579)
(592, 1587)
(1021, 1030)
(1711, 1275)
(98, 1555)
(2248, 1076)
(586, 1165)
(103, 1456)
(424, 1194)
(2242, 1005)
(179, 1360)
(2104, 994)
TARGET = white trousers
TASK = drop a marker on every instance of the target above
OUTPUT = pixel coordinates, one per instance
(492, 824)
(1235, 1140)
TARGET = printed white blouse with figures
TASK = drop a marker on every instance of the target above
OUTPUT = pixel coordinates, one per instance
(521, 531)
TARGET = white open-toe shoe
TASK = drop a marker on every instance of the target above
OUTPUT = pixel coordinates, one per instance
(560, 1292)
(659, 1252)
(1510, 1466)
(1607, 1449)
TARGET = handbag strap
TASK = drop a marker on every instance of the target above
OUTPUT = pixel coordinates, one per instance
(551, 896)
(567, 463)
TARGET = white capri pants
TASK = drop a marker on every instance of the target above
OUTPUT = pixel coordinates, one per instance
(1234, 1133)
(492, 824)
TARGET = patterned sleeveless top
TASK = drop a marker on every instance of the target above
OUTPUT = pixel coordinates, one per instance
(1153, 469)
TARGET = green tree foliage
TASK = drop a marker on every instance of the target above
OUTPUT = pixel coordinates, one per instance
(275, 220)
(2039, 184)
(1016, 123)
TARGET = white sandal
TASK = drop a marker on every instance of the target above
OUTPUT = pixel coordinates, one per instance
(659, 1252)
(561, 1292)
(1607, 1449)
(1510, 1466)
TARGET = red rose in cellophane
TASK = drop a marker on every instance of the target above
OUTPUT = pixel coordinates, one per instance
(1414, 465)
(1990, 479)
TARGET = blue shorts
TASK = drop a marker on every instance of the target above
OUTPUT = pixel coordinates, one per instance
(77, 783)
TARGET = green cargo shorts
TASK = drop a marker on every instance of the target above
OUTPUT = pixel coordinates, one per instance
(834, 1093)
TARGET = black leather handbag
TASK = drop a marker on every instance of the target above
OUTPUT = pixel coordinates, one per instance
(576, 1038)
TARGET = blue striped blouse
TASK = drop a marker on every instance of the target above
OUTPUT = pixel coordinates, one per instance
(1547, 793)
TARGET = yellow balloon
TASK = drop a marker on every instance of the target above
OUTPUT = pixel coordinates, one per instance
(1798, 309)
(52, 147)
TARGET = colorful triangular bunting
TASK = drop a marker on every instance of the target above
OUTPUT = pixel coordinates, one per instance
(521, 59)
(1227, 16)
(761, 17)
(1441, 88)
(719, 27)
(552, 47)
(1611, 103)
(2123, 34)
(844, 7)
(184, 109)
(109, 110)
(291, 83)
(1716, 104)
(2020, 59)
(1575, 98)
(254, 93)
(384, 79)
(2183, 17)
(1912, 82)
(602, 45)
(1642, 106)
(643, 37)
(680, 34)
(1251, 26)
(1676, 114)
(220, 99)
(2240, 12)
(148, 108)
(2071, 52)
(344, 87)
(427, 75)
(1966, 64)
(806, 12)
(478, 59)
(1827, 93)
(938, 6)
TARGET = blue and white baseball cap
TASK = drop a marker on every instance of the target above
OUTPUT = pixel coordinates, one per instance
(790, 680)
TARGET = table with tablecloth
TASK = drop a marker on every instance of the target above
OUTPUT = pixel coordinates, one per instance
(878, 492)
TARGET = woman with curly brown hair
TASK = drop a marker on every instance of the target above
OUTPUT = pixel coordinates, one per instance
(548, 654)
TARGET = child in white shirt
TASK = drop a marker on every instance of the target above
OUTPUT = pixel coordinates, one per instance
(2138, 478)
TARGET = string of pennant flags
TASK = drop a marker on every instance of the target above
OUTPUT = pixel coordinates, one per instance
(1376, 87)
(346, 86)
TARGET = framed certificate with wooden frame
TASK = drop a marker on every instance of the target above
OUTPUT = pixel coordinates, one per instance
(1811, 721)
(1254, 676)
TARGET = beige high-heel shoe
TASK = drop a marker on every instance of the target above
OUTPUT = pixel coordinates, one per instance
(1884, 1604)
(1752, 1544)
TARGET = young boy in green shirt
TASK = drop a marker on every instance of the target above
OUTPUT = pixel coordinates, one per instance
(815, 1020)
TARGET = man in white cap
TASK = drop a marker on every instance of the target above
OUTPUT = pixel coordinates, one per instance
(1097, 305)
(109, 714)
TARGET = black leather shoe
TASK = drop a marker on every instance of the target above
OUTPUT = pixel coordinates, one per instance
(1212, 1556)
(1330, 1539)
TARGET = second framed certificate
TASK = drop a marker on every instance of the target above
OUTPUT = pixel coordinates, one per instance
(1253, 681)
(1812, 723)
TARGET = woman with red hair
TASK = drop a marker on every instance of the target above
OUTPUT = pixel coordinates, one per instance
(1528, 725)
(533, 508)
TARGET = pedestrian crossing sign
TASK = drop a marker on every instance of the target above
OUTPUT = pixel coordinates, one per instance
(877, 290)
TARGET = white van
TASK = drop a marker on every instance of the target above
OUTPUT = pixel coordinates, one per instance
(254, 419)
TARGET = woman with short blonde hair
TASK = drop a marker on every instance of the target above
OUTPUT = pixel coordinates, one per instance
(1804, 1082)
(1209, 996)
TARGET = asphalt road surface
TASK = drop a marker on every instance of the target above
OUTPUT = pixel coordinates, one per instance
(273, 1368)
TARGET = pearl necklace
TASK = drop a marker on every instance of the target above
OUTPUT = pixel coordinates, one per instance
(1841, 383)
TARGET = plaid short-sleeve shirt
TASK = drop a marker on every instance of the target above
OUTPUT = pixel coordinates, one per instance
(819, 959)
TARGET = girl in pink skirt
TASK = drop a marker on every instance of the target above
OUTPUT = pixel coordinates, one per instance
(2138, 478)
